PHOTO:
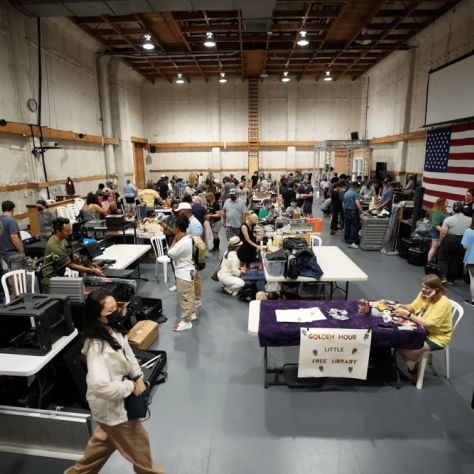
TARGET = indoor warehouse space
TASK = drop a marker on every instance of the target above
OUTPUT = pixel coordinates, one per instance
(236, 236)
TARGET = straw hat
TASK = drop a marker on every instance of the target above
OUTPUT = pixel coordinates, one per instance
(234, 242)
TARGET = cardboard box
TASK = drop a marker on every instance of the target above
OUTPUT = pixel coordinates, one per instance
(297, 215)
(272, 248)
(142, 335)
(263, 194)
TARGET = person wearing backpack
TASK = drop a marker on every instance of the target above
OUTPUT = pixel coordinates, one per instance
(231, 268)
(194, 229)
(181, 252)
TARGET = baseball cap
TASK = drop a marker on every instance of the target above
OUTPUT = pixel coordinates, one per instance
(305, 181)
(233, 191)
(184, 205)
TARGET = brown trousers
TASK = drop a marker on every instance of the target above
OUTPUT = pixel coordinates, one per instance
(186, 298)
(197, 286)
(130, 438)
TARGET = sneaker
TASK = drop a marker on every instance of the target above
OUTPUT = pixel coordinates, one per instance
(198, 303)
(352, 246)
(450, 282)
(182, 326)
(226, 291)
(193, 317)
(443, 280)
(469, 302)
(173, 288)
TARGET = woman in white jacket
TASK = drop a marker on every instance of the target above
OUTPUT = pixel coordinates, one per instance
(231, 268)
(109, 359)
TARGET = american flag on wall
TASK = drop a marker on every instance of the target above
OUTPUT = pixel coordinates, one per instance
(449, 163)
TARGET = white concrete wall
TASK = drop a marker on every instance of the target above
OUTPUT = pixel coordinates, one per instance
(397, 96)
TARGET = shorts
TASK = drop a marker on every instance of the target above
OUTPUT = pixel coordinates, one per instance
(433, 345)
(14, 262)
(434, 233)
(130, 200)
(217, 226)
(308, 207)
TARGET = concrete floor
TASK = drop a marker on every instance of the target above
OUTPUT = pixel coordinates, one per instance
(214, 416)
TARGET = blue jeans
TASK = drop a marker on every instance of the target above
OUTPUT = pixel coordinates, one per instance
(351, 226)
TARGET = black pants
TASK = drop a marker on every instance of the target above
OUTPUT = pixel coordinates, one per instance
(336, 212)
(351, 226)
(450, 257)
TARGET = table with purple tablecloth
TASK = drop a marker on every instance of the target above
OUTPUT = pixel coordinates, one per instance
(273, 334)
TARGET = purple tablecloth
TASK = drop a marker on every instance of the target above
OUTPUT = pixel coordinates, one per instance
(272, 333)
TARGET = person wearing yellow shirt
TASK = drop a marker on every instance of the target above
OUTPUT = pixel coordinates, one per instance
(149, 195)
(432, 311)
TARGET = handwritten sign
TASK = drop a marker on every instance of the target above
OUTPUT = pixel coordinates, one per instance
(334, 353)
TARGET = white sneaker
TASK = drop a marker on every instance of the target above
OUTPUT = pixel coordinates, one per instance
(173, 288)
(182, 326)
(198, 303)
(194, 317)
(353, 246)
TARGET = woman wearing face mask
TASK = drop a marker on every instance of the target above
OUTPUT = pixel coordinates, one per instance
(45, 219)
(264, 211)
(168, 229)
(432, 311)
(293, 208)
(109, 359)
(215, 213)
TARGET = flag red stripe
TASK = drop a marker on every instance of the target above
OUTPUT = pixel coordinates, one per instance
(462, 141)
(456, 170)
(463, 128)
(449, 182)
(453, 197)
(428, 203)
(461, 156)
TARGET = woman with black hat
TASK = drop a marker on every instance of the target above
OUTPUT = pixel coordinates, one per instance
(45, 219)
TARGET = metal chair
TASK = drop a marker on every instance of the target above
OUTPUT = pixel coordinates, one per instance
(315, 241)
(19, 280)
(456, 308)
(157, 244)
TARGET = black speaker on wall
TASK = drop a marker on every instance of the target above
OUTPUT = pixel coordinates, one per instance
(152, 149)
(355, 136)
(380, 170)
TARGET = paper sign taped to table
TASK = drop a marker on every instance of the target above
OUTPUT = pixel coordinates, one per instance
(301, 315)
(334, 353)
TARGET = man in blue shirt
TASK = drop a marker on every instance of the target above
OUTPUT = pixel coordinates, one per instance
(11, 246)
(352, 209)
(131, 193)
(387, 196)
(177, 187)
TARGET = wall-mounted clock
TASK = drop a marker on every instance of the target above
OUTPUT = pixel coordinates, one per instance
(32, 105)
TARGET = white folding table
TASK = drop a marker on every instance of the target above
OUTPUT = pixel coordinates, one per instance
(125, 255)
(336, 266)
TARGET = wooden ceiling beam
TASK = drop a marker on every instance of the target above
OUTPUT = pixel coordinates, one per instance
(282, 14)
(399, 13)
(214, 15)
(297, 27)
(386, 26)
(205, 28)
(112, 31)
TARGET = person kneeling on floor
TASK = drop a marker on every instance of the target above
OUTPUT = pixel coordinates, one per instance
(181, 252)
(231, 268)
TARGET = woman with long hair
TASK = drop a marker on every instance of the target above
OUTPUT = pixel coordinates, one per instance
(431, 310)
(215, 213)
(110, 359)
(437, 216)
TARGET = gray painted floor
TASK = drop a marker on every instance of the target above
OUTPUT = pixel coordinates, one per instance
(214, 416)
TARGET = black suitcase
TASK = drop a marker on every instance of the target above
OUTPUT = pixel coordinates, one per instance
(417, 256)
(405, 244)
(431, 268)
(153, 374)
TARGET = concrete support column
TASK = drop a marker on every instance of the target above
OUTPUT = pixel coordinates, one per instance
(118, 78)
(104, 91)
(291, 119)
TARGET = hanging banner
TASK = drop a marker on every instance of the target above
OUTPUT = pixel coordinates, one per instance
(334, 353)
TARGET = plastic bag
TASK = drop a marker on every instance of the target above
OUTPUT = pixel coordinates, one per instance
(208, 236)
(272, 286)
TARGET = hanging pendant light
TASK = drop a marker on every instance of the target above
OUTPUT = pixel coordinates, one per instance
(180, 79)
(222, 79)
(328, 76)
(285, 77)
(365, 41)
(303, 41)
(148, 44)
(210, 43)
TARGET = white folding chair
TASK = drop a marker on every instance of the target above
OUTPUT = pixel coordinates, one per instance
(456, 308)
(19, 279)
(157, 244)
(71, 273)
(73, 211)
(50, 201)
(315, 241)
(62, 212)
(79, 202)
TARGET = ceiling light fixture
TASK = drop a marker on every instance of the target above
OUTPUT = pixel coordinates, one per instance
(148, 44)
(180, 79)
(264, 74)
(365, 41)
(328, 76)
(222, 79)
(285, 77)
(303, 41)
(210, 43)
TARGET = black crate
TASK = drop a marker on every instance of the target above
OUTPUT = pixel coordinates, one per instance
(405, 244)
(141, 309)
(417, 256)
(431, 268)
(152, 374)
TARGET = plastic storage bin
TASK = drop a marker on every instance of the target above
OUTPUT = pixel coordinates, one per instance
(418, 256)
(405, 244)
(373, 232)
(275, 268)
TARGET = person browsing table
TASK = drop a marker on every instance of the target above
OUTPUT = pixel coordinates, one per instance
(246, 252)
(352, 211)
(387, 196)
(45, 219)
(431, 310)
(110, 359)
(307, 199)
(234, 214)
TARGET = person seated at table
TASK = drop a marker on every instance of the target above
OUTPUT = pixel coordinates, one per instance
(149, 195)
(293, 208)
(264, 211)
(57, 246)
(431, 310)
(107, 201)
(247, 253)
(91, 210)
(232, 268)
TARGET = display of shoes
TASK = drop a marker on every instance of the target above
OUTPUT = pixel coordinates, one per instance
(173, 288)
(182, 326)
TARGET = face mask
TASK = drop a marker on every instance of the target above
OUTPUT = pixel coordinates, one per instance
(208, 201)
(293, 204)
(233, 197)
(175, 213)
(40, 209)
(114, 320)
(427, 293)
